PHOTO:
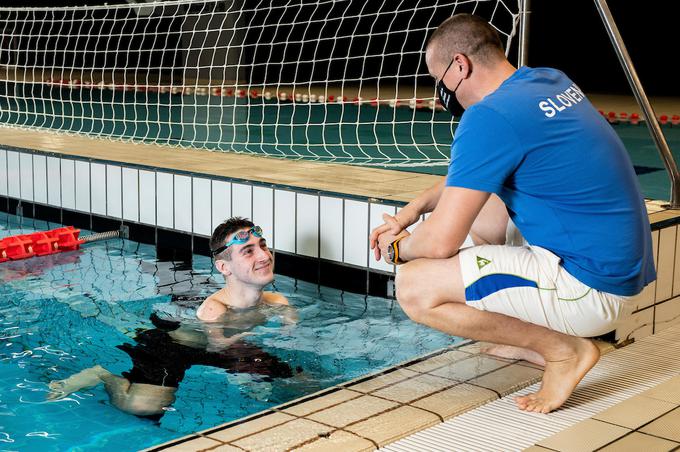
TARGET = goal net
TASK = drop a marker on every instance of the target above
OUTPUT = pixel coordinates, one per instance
(328, 80)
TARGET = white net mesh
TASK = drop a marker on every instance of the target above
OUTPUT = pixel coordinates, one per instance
(331, 80)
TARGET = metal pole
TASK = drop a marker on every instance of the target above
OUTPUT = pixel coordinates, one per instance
(523, 51)
(643, 102)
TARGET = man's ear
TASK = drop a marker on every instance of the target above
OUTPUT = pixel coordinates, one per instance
(222, 266)
(464, 64)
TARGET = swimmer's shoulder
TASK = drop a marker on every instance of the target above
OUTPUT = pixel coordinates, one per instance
(211, 309)
(275, 298)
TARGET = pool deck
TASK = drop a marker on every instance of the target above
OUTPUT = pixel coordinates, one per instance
(377, 410)
(630, 401)
(449, 401)
(375, 183)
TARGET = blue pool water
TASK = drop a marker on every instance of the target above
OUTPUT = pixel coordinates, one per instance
(64, 313)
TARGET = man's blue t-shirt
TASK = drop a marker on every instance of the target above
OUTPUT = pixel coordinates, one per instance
(564, 175)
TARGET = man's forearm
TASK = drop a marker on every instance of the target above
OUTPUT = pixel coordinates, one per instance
(427, 242)
(424, 203)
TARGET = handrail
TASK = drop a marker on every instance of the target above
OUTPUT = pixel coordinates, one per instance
(642, 100)
(523, 50)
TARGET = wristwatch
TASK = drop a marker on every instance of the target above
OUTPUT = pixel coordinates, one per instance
(393, 252)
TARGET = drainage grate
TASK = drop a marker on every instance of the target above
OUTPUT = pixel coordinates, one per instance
(499, 425)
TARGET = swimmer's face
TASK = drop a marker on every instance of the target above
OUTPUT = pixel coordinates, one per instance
(250, 263)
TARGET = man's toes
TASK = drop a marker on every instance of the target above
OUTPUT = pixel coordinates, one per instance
(535, 404)
(535, 408)
(524, 402)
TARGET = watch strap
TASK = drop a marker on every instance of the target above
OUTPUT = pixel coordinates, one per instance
(395, 246)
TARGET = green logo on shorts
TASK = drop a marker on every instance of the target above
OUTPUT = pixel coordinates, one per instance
(481, 262)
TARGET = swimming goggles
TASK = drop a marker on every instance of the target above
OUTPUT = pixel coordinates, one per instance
(239, 238)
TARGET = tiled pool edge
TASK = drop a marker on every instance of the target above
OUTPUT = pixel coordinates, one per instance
(617, 392)
(397, 402)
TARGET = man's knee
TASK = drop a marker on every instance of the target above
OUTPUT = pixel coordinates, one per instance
(408, 291)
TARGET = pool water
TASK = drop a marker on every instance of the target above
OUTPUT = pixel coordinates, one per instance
(71, 311)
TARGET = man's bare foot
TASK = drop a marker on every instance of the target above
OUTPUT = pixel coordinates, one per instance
(512, 352)
(87, 378)
(561, 377)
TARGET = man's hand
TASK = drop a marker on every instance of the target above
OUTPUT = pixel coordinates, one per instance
(391, 225)
(217, 343)
(384, 241)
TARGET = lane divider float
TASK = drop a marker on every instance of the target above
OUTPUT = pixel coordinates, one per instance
(42, 243)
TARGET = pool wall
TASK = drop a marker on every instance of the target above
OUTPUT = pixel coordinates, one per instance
(317, 235)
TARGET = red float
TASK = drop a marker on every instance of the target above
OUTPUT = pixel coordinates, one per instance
(40, 243)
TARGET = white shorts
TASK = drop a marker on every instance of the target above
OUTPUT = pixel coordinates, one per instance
(527, 282)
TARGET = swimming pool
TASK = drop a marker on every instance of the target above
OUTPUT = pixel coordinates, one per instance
(67, 312)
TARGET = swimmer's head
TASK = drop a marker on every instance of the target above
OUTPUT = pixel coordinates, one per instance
(241, 253)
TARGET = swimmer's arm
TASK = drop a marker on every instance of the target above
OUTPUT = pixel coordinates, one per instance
(289, 315)
(211, 312)
(217, 340)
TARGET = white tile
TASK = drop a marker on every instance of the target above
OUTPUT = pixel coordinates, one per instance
(356, 232)
(655, 249)
(147, 197)
(54, 181)
(676, 271)
(13, 175)
(263, 211)
(637, 326)
(98, 188)
(666, 259)
(242, 200)
(655, 246)
(39, 178)
(164, 200)
(83, 186)
(68, 184)
(182, 206)
(667, 314)
(114, 191)
(26, 164)
(130, 194)
(644, 298)
(376, 212)
(3, 172)
(202, 206)
(307, 218)
(284, 220)
(331, 228)
(221, 202)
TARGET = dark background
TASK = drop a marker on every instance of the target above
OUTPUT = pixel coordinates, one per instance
(566, 34)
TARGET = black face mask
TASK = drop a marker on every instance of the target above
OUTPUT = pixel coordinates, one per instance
(449, 100)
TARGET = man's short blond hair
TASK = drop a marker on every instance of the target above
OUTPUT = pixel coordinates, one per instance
(470, 35)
